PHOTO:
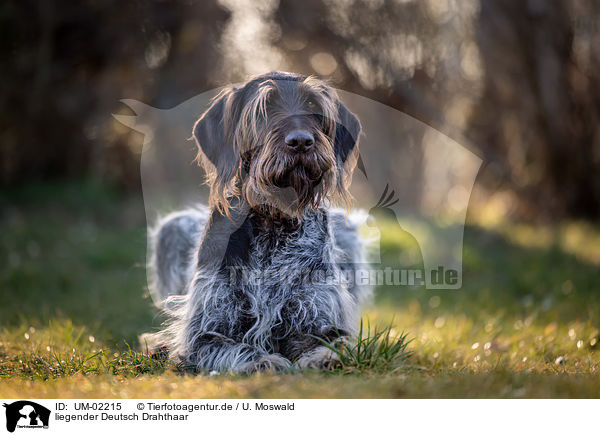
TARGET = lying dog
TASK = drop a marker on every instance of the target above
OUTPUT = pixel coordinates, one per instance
(259, 280)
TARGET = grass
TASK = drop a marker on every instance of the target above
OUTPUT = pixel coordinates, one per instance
(371, 351)
(72, 284)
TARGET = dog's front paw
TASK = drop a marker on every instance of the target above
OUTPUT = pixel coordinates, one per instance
(272, 362)
(321, 358)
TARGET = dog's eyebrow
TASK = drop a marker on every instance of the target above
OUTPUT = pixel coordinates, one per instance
(308, 88)
(314, 84)
(268, 83)
(318, 90)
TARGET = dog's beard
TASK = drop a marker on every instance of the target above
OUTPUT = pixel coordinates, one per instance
(306, 184)
(291, 183)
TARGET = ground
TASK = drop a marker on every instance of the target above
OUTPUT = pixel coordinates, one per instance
(74, 299)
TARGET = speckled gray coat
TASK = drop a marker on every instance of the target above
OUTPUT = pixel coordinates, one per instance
(278, 291)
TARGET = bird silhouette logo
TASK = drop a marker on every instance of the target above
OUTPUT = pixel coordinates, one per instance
(383, 217)
(382, 208)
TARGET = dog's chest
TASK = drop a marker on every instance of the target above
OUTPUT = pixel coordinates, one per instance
(288, 251)
(284, 286)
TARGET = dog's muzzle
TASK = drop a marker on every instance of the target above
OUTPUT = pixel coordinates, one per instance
(299, 141)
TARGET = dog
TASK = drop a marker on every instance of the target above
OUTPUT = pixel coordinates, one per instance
(264, 278)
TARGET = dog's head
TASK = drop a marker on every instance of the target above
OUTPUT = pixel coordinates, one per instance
(280, 140)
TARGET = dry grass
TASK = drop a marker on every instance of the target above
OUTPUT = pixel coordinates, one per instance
(525, 324)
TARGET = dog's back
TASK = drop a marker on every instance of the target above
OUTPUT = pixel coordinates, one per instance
(175, 241)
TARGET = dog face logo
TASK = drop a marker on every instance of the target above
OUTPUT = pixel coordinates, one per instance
(26, 414)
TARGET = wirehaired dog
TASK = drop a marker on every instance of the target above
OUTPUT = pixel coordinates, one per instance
(260, 279)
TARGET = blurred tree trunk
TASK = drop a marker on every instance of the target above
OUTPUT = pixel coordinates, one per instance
(540, 106)
(66, 66)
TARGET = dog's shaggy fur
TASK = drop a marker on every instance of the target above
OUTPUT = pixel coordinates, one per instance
(253, 282)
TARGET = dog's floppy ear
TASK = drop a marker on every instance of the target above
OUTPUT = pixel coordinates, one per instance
(214, 133)
(345, 147)
(346, 133)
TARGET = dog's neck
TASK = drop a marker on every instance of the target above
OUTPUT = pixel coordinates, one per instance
(270, 219)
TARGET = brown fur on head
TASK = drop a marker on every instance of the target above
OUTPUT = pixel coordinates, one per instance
(242, 144)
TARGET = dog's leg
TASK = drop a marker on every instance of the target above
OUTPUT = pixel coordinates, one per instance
(210, 351)
(323, 357)
(317, 350)
(175, 245)
(202, 333)
(218, 353)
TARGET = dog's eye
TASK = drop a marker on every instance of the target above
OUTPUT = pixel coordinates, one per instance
(312, 105)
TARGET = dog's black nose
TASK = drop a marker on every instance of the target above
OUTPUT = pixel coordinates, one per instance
(299, 140)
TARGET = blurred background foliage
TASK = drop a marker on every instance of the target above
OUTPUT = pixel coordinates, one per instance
(517, 79)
